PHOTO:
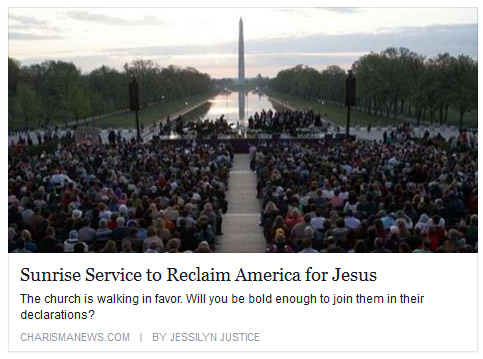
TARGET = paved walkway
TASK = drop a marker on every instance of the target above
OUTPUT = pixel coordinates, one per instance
(241, 232)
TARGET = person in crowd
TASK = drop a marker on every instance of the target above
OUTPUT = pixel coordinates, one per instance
(204, 232)
(120, 231)
(203, 247)
(12, 235)
(287, 121)
(280, 245)
(70, 242)
(30, 245)
(126, 247)
(173, 245)
(471, 233)
(87, 234)
(20, 246)
(109, 247)
(151, 238)
(306, 241)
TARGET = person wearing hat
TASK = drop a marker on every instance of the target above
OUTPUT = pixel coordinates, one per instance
(76, 214)
(70, 242)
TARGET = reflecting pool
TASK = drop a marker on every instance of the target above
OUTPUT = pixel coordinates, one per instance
(235, 106)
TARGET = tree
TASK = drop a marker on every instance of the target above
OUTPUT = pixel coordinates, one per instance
(13, 75)
(332, 85)
(465, 94)
(78, 102)
(28, 104)
(395, 83)
(63, 94)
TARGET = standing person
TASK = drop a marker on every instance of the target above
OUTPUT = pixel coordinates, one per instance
(112, 138)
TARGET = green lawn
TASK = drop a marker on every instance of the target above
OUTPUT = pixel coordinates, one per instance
(338, 115)
(126, 120)
(148, 115)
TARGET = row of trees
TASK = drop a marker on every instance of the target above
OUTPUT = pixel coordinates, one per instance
(395, 83)
(56, 92)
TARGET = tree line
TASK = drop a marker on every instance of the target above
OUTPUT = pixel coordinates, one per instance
(56, 92)
(395, 83)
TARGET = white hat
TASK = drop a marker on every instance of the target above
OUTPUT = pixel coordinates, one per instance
(76, 214)
(123, 209)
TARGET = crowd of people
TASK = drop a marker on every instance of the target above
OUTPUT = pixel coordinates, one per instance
(286, 121)
(200, 128)
(401, 194)
(47, 134)
(118, 197)
(409, 195)
(406, 131)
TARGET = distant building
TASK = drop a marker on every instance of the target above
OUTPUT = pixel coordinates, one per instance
(241, 55)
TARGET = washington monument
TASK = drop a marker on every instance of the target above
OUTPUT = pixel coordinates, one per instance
(241, 55)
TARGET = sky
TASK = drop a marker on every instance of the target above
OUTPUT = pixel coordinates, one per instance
(206, 39)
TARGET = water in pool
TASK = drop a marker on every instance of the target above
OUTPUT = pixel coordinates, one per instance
(235, 106)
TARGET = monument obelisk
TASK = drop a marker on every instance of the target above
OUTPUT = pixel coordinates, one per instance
(241, 55)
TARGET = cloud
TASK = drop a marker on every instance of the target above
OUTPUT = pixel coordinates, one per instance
(222, 48)
(341, 10)
(27, 20)
(87, 16)
(21, 22)
(429, 40)
(319, 50)
(309, 12)
(14, 36)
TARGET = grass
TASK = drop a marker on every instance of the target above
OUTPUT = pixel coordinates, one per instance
(338, 115)
(148, 115)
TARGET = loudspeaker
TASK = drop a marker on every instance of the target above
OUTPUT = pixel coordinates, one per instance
(350, 86)
(134, 95)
